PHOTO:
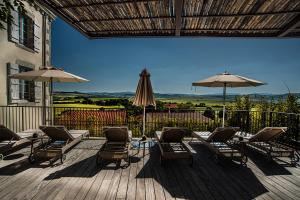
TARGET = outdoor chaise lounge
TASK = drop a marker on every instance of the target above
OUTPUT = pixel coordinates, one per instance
(170, 142)
(117, 145)
(219, 141)
(11, 141)
(264, 141)
(59, 141)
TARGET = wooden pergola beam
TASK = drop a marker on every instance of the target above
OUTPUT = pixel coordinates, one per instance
(178, 14)
(290, 27)
(80, 5)
(204, 30)
(191, 16)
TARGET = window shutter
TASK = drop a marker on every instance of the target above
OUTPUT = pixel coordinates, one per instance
(30, 33)
(13, 84)
(37, 36)
(14, 27)
(38, 92)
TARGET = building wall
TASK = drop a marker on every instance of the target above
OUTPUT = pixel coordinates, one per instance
(11, 52)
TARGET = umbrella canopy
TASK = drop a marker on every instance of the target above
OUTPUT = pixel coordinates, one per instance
(144, 93)
(49, 74)
(227, 80)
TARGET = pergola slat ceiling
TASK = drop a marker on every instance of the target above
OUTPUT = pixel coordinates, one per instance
(151, 18)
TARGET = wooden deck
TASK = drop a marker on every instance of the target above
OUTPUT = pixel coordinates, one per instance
(80, 178)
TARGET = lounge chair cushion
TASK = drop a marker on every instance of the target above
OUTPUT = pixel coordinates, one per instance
(172, 134)
(117, 134)
(79, 133)
(267, 134)
(6, 143)
(7, 134)
(220, 134)
(205, 134)
(57, 133)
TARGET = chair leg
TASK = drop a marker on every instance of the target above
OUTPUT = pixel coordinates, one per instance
(98, 159)
(244, 160)
(294, 159)
(217, 158)
(63, 158)
(161, 160)
(32, 158)
(192, 161)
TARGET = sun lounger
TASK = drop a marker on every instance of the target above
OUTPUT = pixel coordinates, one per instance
(11, 141)
(170, 142)
(117, 145)
(219, 141)
(264, 141)
(59, 141)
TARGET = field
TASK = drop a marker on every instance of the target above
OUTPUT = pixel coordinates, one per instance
(78, 102)
(207, 102)
(80, 105)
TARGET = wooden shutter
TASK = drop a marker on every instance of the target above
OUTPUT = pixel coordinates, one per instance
(38, 92)
(37, 36)
(13, 84)
(30, 33)
(14, 27)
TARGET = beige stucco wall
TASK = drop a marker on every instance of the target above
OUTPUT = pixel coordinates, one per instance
(12, 53)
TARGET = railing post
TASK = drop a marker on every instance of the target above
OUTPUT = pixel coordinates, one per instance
(23, 118)
(298, 128)
(53, 115)
(271, 119)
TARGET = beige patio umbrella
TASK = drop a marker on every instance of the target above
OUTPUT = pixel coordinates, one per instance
(144, 94)
(227, 80)
(49, 74)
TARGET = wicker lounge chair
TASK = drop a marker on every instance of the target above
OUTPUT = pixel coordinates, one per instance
(59, 141)
(219, 141)
(11, 141)
(171, 146)
(264, 141)
(117, 145)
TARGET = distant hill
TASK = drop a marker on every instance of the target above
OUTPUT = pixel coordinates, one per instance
(229, 97)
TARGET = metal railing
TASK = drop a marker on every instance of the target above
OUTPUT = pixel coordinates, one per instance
(19, 118)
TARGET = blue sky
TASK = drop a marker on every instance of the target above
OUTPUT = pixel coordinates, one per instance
(113, 65)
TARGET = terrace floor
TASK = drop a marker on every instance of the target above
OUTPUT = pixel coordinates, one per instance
(80, 178)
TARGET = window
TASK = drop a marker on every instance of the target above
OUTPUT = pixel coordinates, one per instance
(25, 31)
(22, 91)
(26, 88)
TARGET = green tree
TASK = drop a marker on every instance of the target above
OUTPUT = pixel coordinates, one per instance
(209, 112)
(240, 113)
(291, 103)
(7, 6)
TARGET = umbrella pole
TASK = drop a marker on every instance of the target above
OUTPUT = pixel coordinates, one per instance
(144, 120)
(51, 99)
(224, 100)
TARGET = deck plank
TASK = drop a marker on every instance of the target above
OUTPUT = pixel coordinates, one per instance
(131, 189)
(80, 178)
(149, 186)
(140, 187)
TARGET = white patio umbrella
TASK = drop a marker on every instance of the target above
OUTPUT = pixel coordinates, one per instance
(144, 94)
(225, 80)
(49, 74)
